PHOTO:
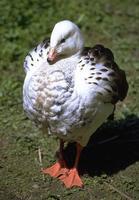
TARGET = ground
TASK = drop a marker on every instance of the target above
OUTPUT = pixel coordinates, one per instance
(109, 164)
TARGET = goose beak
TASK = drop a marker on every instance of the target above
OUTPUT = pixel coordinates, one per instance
(52, 55)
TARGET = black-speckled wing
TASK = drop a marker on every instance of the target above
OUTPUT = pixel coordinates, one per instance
(104, 73)
(36, 56)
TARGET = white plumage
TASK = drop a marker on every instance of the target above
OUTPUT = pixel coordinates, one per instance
(66, 91)
(59, 96)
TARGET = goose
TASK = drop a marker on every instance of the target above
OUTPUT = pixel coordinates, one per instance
(69, 91)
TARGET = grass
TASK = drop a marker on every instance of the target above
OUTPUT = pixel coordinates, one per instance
(110, 169)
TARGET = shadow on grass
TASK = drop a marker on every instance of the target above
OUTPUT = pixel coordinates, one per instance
(111, 148)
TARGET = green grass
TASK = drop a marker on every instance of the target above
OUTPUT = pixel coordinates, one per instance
(114, 170)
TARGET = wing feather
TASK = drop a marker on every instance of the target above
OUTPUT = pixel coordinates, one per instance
(36, 56)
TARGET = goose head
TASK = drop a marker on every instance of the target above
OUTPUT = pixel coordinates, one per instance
(66, 40)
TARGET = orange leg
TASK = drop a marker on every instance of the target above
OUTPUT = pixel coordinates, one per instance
(59, 167)
(71, 177)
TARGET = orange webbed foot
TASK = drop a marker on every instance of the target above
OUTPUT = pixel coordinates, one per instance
(56, 170)
(71, 178)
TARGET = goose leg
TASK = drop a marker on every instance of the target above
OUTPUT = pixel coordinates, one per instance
(59, 167)
(71, 177)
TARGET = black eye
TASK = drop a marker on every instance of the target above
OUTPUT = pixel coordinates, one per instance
(63, 40)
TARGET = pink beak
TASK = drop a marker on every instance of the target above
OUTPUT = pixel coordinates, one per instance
(52, 54)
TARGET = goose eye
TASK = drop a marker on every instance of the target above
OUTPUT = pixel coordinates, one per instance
(63, 40)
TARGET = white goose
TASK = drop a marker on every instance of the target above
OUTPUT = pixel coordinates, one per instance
(70, 91)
